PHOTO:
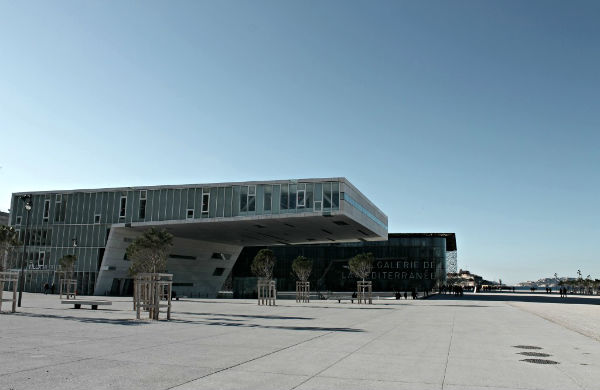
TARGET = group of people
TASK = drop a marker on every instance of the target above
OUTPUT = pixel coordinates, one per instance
(456, 290)
(563, 292)
(50, 288)
(413, 294)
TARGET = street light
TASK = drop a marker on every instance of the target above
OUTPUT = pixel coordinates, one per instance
(27, 200)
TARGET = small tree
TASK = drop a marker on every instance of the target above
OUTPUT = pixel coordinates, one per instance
(361, 265)
(8, 242)
(149, 252)
(302, 267)
(67, 265)
(263, 264)
(588, 284)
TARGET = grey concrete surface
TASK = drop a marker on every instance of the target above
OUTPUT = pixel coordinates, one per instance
(437, 343)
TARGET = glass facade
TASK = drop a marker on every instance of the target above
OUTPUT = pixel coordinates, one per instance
(403, 262)
(60, 218)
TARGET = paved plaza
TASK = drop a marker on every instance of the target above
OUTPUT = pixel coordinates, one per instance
(473, 342)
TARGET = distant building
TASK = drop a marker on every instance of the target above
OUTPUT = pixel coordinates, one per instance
(464, 278)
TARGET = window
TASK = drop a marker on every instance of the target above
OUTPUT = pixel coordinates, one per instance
(293, 190)
(326, 195)
(46, 210)
(247, 198)
(18, 220)
(220, 256)
(284, 197)
(335, 195)
(97, 219)
(244, 199)
(46, 234)
(60, 208)
(183, 257)
(318, 205)
(123, 207)
(267, 198)
(218, 271)
(251, 198)
(205, 201)
(42, 259)
(142, 211)
(190, 214)
(300, 196)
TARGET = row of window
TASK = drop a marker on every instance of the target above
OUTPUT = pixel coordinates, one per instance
(209, 202)
(290, 198)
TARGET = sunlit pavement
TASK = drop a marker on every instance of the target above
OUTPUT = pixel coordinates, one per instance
(437, 343)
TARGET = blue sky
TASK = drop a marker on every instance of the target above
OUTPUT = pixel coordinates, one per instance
(475, 117)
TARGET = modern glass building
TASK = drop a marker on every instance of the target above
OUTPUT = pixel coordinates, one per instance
(211, 223)
(404, 262)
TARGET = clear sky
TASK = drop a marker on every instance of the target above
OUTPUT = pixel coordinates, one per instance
(475, 117)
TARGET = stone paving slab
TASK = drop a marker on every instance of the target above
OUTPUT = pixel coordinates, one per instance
(439, 343)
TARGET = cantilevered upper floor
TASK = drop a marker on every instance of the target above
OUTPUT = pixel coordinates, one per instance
(243, 213)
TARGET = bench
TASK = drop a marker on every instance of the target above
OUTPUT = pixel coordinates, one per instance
(78, 302)
(341, 298)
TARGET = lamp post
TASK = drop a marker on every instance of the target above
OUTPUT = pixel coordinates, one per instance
(27, 200)
(75, 245)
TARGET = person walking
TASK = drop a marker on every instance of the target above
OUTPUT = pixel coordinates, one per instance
(46, 288)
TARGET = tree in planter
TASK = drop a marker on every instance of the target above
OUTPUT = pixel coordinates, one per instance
(148, 253)
(361, 266)
(262, 267)
(67, 265)
(68, 286)
(9, 241)
(263, 264)
(302, 267)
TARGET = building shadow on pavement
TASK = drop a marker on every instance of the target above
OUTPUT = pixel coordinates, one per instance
(91, 320)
